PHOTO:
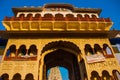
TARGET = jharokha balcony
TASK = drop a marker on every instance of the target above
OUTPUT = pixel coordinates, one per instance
(57, 23)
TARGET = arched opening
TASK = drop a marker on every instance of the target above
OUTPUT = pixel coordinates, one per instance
(17, 76)
(63, 54)
(95, 76)
(32, 50)
(11, 52)
(59, 17)
(5, 76)
(79, 16)
(48, 17)
(86, 16)
(98, 49)
(88, 50)
(22, 50)
(62, 73)
(94, 16)
(29, 77)
(29, 15)
(69, 15)
(21, 15)
(105, 75)
(107, 50)
(116, 74)
(37, 15)
(56, 58)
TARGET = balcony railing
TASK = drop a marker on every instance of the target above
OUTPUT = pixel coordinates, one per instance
(20, 58)
(56, 19)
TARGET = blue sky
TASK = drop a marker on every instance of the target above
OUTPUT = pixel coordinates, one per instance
(110, 8)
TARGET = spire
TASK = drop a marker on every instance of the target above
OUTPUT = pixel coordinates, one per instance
(55, 74)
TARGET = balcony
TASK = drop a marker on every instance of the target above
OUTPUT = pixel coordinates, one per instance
(57, 23)
(34, 58)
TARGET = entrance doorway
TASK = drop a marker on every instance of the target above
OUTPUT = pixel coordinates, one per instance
(64, 54)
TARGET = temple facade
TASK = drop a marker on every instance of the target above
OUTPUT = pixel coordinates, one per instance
(40, 38)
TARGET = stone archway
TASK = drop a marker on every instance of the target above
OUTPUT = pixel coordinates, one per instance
(61, 53)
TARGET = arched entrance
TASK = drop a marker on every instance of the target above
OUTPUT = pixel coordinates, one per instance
(64, 54)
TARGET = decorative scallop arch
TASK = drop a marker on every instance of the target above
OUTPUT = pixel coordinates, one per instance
(5, 76)
(16, 76)
(61, 44)
(29, 76)
(95, 75)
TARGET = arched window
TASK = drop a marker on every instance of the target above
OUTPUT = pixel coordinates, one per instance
(5, 76)
(95, 75)
(37, 15)
(21, 15)
(29, 77)
(105, 75)
(79, 15)
(69, 15)
(29, 15)
(88, 50)
(98, 49)
(107, 50)
(48, 17)
(116, 74)
(17, 76)
(59, 17)
(32, 50)
(22, 50)
(86, 16)
(94, 16)
(11, 51)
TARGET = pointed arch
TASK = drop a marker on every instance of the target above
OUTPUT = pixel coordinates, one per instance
(29, 76)
(98, 49)
(79, 15)
(88, 49)
(116, 74)
(106, 75)
(69, 15)
(32, 50)
(5, 76)
(37, 15)
(95, 75)
(94, 16)
(59, 17)
(17, 76)
(107, 50)
(47, 16)
(29, 15)
(22, 15)
(22, 50)
(61, 44)
(86, 16)
(11, 52)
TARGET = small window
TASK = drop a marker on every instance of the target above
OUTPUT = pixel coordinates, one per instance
(98, 49)
(17, 76)
(22, 50)
(107, 51)
(88, 50)
(105, 75)
(116, 74)
(95, 75)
